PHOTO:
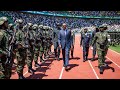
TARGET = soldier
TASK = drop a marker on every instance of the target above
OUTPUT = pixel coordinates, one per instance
(101, 39)
(36, 45)
(85, 43)
(30, 50)
(50, 40)
(21, 50)
(94, 46)
(45, 35)
(55, 41)
(41, 43)
(5, 67)
(12, 32)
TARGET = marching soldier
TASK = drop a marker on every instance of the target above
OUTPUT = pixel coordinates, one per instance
(36, 45)
(45, 35)
(85, 43)
(30, 50)
(55, 42)
(5, 67)
(101, 39)
(21, 49)
(41, 52)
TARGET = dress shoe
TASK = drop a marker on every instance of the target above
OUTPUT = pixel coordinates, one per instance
(66, 68)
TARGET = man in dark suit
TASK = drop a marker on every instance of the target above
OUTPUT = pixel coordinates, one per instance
(64, 41)
(85, 43)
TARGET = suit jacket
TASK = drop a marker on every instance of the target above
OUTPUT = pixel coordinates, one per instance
(85, 39)
(64, 40)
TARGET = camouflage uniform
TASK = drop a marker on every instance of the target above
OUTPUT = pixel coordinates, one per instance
(21, 50)
(30, 50)
(101, 39)
(41, 43)
(36, 45)
(5, 69)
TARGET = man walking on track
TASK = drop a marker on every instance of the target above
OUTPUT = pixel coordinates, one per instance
(64, 41)
(85, 43)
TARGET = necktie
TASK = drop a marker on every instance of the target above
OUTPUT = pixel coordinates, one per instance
(65, 32)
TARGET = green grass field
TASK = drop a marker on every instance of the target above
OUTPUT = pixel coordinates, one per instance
(115, 48)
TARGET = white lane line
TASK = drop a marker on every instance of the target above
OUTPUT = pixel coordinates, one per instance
(114, 51)
(60, 77)
(25, 73)
(113, 62)
(93, 70)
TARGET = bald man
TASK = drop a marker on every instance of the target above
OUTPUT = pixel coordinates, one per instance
(64, 41)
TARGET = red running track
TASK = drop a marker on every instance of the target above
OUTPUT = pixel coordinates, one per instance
(53, 69)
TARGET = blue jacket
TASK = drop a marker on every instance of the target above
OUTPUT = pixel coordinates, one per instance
(64, 40)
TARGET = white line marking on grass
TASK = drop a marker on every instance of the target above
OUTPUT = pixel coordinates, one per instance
(93, 70)
(60, 77)
(114, 51)
(113, 62)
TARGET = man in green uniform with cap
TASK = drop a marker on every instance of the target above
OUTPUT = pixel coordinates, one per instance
(102, 40)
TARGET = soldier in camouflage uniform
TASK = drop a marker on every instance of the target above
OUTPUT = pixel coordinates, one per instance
(30, 50)
(5, 69)
(21, 49)
(45, 41)
(101, 39)
(55, 41)
(12, 32)
(41, 52)
(36, 45)
(50, 40)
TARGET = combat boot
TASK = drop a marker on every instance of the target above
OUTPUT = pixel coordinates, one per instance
(21, 76)
(37, 65)
(42, 60)
(101, 69)
(30, 70)
(93, 58)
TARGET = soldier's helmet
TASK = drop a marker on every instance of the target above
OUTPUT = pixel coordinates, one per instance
(40, 26)
(10, 25)
(103, 25)
(45, 27)
(2, 20)
(35, 26)
(20, 21)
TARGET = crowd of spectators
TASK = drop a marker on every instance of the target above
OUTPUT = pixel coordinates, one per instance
(71, 22)
(87, 13)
